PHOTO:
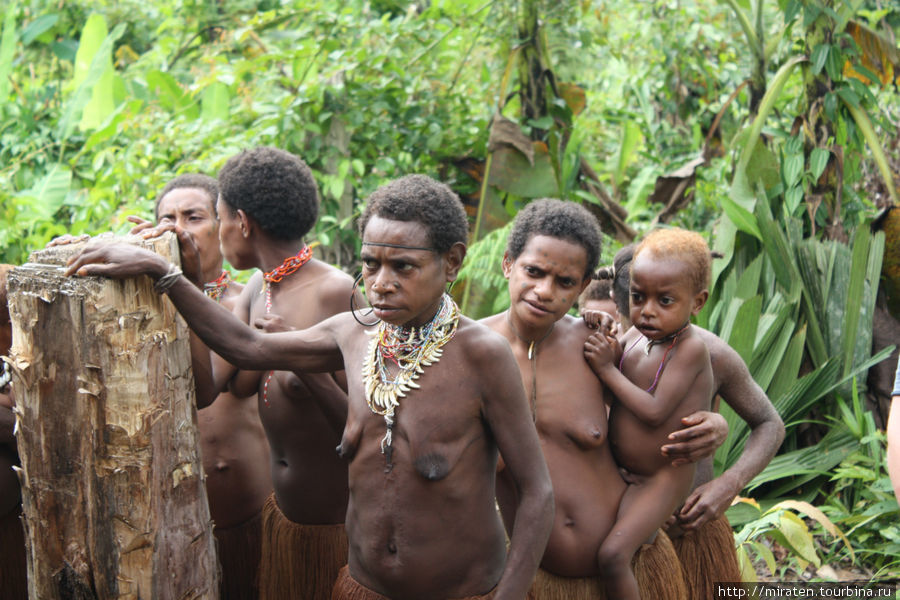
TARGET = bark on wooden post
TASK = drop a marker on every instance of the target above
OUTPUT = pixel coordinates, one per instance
(112, 483)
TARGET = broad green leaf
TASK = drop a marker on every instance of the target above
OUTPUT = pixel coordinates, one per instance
(744, 332)
(511, 172)
(819, 56)
(748, 282)
(742, 218)
(215, 102)
(765, 364)
(764, 553)
(51, 190)
(38, 26)
(798, 537)
(7, 49)
(99, 65)
(792, 169)
(631, 138)
(855, 292)
(818, 160)
(787, 371)
(170, 94)
(91, 39)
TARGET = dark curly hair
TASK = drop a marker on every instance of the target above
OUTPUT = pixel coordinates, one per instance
(596, 290)
(191, 180)
(274, 187)
(621, 285)
(555, 218)
(422, 199)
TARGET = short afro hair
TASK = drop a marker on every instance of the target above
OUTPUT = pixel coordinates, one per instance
(274, 187)
(554, 218)
(422, 199)
(191, 180)
(682, 245)
(596, 290)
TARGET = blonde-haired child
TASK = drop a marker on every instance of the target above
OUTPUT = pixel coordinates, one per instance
(658, 373)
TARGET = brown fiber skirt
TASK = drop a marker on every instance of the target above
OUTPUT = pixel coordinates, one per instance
(239, 549)
(13, 569)
(708, 555)
(299, 561)
(656, 569)
(347, 588)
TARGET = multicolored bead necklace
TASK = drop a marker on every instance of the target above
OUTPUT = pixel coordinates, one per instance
(288, 266)
(650, 344)
(409, 349)
(215, 288)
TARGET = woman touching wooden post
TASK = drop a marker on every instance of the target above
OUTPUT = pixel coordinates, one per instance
(112, 484)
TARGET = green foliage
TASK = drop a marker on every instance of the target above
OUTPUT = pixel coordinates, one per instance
(102, 120)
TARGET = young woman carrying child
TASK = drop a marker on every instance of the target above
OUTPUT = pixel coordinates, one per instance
(552, 250)
(659, 374)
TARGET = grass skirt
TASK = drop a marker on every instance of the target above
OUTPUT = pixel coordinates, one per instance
(239, 549)
(655, 567)
(708, 555)
(13, 568)
(299, 561)
(347, 588)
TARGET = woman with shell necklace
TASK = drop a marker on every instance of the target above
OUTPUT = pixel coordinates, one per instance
(433, 398)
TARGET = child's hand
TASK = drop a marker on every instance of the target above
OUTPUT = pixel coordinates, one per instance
(600, 351)
(604, 322)
(272, 323)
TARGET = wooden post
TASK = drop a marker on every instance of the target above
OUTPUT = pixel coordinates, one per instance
(112, 484)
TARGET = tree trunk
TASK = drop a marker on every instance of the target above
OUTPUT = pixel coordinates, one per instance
(112, 485)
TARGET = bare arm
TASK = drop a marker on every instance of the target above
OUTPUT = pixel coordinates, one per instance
(737, 387)
(652, 408)
(313, 349)
(509, 416)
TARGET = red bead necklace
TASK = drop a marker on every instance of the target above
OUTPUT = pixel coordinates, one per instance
(215, 288)
(289, 266)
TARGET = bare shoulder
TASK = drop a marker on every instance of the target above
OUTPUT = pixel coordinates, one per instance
(574, 329)
(332, 286)
(481, 343)
(692, 349)
(493, 322)
(725, 360)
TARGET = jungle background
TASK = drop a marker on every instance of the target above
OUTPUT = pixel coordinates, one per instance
(771, 126)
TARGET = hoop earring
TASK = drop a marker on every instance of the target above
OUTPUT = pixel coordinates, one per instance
(354, 308)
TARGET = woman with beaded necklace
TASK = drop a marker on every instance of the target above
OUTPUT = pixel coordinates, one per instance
(433, 398)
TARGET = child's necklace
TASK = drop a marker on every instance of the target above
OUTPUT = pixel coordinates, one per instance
(662, 363)
(410, 350)
(661, 341)
(532, 358)
(288, 266)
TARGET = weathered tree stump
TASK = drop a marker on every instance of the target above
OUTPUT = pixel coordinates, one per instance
(112, 484)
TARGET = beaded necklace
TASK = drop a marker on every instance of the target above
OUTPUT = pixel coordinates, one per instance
(288, 266)
(409, 349)
(650, 343)
(215, 288)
